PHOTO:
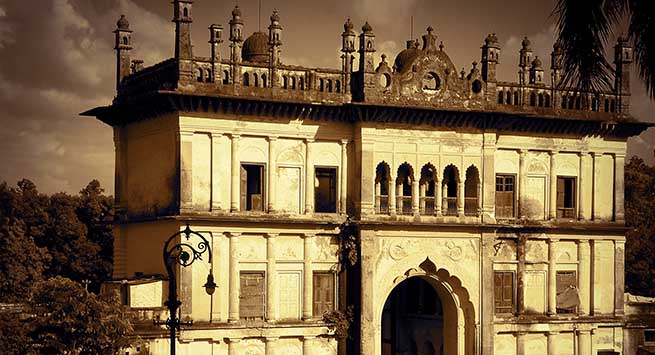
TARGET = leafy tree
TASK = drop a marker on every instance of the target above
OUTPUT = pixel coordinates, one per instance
(22, 262)
(584, 28)
(640, 216)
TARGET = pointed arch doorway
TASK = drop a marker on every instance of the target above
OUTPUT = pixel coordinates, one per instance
(413, 319)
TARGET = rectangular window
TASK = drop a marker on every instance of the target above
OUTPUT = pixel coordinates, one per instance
(505, 196)
(252, 187)
(325, 193)
(566, 197)
(289, 295)
(323, 295)
(567, 292)
(252, 297)
(649, 336)
(504, 291)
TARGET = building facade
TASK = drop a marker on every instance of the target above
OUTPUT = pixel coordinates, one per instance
(487, 215)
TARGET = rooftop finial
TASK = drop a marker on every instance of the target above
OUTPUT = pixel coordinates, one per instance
(122, 23)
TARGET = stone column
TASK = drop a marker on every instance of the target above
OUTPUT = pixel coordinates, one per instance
(444, 194)
(438, 201)
(421, 195)
(520, 268)
(520, 343)
(552, 278)
(596, 271)
(488, 176)
(215, 171)
(234, 278)
(392, 194)
(308, 240)
(271, 278)
(460, 194)
(583, 186)
(487, 310)
(235, 198)
(522, 182)
(368, 326)
(479, 188)
(619, 188)
(553, 186)
(619, 276)
(415, 197)
(272, 173)
(186, 171)
(269, 346)
(307, 345)
(552, 343)
(309, 177)
(233, 346)
(584, 276)
(584, 342)
(595, 210)
(343, 196)
(366, 199)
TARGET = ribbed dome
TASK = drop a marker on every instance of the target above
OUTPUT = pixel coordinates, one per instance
(122, 23)
(255, 48)
(406, 56)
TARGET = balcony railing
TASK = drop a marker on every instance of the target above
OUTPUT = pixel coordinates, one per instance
(428, 206)
(404, 204)
(451, 206)
(564, 212)
(382, 203)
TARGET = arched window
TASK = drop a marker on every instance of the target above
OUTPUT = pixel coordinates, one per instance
(200, 77)
(321, 85)
(508, 98)
(516, 98)
(571, 102)
(301, 83)
(329, 85)
(533, 99)
(578, 102)
(404, 183)
(564, 99)
(428, 204)
(125, 40)
(246, 79)
(285, 82)
(547, 100)
(540, 100)
(226, 77)
(500, 97)
(613, 105)
(594, 104)
(472, 192)
(449, 186)
(293, 83)
(185, 12)
(607, 105)
(255, 79)
(382, 178)
(338, 86)
(208, 78)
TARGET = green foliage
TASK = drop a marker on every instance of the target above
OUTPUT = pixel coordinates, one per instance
(640, 216)
(72, 234)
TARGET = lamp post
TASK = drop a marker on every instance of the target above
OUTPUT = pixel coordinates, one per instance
(183, 252)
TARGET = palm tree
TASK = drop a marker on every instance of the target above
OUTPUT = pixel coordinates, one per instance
(584, 28)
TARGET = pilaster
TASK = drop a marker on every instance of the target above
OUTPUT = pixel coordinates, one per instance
(584, 281)
(271, 278)
(186, 171)
(522, 183)
(553, 186)
(272, 173)
(234, 278)
(619, 187)
(343, 195)
(489, 177)
(308, 240)
(309, 176)
(552, 278)
(235, 200)
(619, 277)
(595, 206)
(215, 172)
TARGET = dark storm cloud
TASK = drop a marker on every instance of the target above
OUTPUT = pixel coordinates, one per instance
(56, 60)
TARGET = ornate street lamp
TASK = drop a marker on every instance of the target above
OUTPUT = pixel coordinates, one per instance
(183, 253)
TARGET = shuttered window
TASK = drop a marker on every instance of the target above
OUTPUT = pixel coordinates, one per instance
(325, 192)
(505, 196)
(566, 202)
(504, 291)
(252, 187)
(323, 295)
(567, 292)
(252, 296)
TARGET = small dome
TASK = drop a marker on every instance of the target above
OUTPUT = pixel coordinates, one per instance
(526, 42)
(255, 48)
(348, 26)
(491, 38)
(536, 63)
(405, 58)
(367, 27)
(122, 23)
(275, 17)
(236, 12)
(557, 49)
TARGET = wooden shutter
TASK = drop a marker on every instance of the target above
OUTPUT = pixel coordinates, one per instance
(560, 192)
(252, 296)
(323, 295)
(244, 188)
(504, 291)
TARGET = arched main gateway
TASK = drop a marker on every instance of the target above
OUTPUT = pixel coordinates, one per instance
(427, 311)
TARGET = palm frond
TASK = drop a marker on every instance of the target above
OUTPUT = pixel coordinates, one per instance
(584, 28)
(642, 33)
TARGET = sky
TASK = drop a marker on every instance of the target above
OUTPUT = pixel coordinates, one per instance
(57, 60)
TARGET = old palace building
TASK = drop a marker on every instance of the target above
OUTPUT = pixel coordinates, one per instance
(487, 215)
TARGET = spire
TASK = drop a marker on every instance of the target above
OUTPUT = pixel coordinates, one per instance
(122, 45)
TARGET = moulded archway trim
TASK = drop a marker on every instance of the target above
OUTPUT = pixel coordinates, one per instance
(459, 313)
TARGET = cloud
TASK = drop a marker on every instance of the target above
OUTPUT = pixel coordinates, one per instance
(541, 43)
